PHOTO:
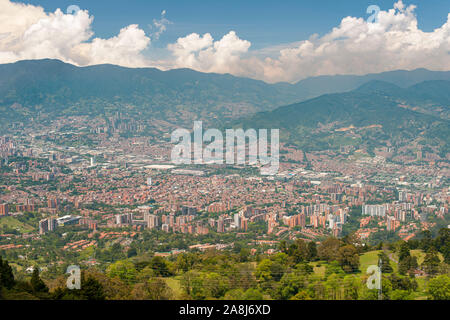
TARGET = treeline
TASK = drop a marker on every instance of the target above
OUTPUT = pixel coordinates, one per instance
(298, 270)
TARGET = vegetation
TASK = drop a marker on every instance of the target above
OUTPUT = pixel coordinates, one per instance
(300, 270)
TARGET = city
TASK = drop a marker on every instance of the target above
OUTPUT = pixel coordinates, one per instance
(154, 165)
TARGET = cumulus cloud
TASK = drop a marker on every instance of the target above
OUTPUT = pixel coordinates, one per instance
(358, 47)
(355, 46)
(30, 33)
(204, 54)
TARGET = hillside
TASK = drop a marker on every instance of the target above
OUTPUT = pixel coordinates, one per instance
(371, 115)
(51, 88)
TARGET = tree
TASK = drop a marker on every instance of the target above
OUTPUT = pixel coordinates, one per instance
(352, 285)
(298, 251)
(328, 249)
(6, 275)
(426, 241)
(439, 288)
(311, 254)
(348, 258)
(253, 294)
(140, 291)
(91, 289)
(235, 294)
(215, 284)
(283, 246)
(132, 252)
(302, 295)
(403, 252)
(192, 284)
(385, 264)
(113, 288)
(160, 267)
(442, 243)
(244, 255)
(241, 276)
(290, 285)
(406, 263)
(333, 268)
(37, 285)
(431, 262)
(122, 269)
(333, 287)
(403, 283)
(400, 295)
(159, 290)
(185, 261)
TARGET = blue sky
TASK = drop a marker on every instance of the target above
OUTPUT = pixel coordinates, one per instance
(267, 40)
(264, 23)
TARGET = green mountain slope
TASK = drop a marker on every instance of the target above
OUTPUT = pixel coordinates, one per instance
(54, 88)
(373, 115)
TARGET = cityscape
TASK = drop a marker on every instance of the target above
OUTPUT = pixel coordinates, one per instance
(93, 205)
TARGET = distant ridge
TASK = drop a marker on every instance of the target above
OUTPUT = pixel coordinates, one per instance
(421, 111)
(178, 96)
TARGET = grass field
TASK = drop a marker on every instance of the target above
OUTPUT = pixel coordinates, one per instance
(367, 259)
(13, 223)
(420, 255)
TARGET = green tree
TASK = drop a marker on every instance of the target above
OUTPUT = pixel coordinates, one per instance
(328, 249)
(311, 254)
(185, 261)
(253, 294)
(192, 284)
(439, 288)
(160, 267)
(348, 258)
(91, 289)
(268, 270)
(283, 246)
(333, 268)
(6, 275)
(215, 285)
(235, 294)
(385, 264)
(298, 251)
(352, 285)
(333, 287)
(442, 243)
(123, 270)
(159, 290)
(431, 262)
(403, 252)
(37, 285)
(400, 295)
(302, 295)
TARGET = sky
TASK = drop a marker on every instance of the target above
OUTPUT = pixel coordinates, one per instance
(267, 40)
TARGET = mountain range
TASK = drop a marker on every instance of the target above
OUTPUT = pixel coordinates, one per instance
(316, 113)
(376, 114)
(179, 95)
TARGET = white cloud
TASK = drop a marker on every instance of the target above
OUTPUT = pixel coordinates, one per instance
(160, 25)
(354, 47)
(30, 33)
(204, 54)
